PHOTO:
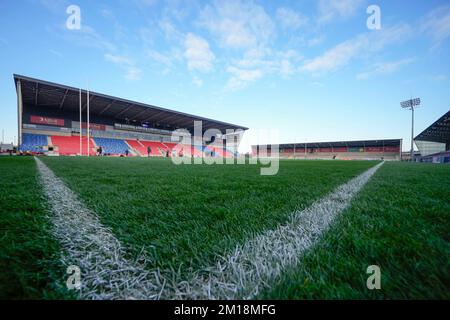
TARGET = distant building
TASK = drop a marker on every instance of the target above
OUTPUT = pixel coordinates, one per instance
(6, 146)
(434, 142)
(344, 150)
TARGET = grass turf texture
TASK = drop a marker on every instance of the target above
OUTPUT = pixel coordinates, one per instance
(29, 256)
(183, 216)
(400, 222)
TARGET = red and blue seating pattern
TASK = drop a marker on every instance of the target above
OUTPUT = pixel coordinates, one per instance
(33, 143)
(70, 145)
(112, 146)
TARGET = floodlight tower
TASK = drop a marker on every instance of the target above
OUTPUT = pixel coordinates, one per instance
(411, 104)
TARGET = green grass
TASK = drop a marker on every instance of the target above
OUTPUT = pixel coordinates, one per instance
(400, 222)
(29, 257)
(183, 216)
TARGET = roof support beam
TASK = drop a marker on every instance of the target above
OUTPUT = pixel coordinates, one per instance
(36, 89)
(208, 125)
(63, 99)
(169, 117)
(91, 97)
(184, 123)
(154, 115)
(139, 114)
(107, 107)
(124, 110)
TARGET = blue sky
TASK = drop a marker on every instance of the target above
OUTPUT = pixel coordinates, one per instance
(310, 69)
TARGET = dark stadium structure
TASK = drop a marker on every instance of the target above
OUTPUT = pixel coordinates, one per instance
(49, 123)
(434, 142)
(344, 150)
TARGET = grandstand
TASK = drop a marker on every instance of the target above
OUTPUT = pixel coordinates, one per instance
(51, 117)
(434, 142)
(344, 150)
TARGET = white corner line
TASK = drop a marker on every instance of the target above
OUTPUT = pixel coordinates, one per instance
(248, 269)
(241, 274)
(86, 243)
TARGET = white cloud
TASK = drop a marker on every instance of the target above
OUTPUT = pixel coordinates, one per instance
(241, 77)
(315, 41)
(56, 53)
(245, 75)
(147, 2)
(143, 5)
(289, 19)
(245, 26)
(131, 71)
(317, 84)
(88, 37)
(237, 24)
(366, 43)
(269, 61)
(108, 14)
(257, 63)
(334, 58)
(384, 68)
(439, 77)
(166, 60)
(337, 9)
(118, 59)
(160, 58)
(197, 53)
(169, 30)
(286, 68)
(197, 81)
(55, 6)
(437, 24)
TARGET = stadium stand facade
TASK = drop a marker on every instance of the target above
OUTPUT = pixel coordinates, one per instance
(33, 142)
(434, 142)
(112, 146)
(51, 117)
(343, 150)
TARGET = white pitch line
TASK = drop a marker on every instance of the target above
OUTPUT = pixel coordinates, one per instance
(105, 273)
(247, 270)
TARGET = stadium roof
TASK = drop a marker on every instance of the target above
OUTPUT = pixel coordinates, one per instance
(47, 94)
(439, 131)
(359, 143)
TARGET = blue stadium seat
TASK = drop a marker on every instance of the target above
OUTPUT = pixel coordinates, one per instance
(111, 146)
(33, 142)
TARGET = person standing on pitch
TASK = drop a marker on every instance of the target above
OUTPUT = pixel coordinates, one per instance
(149, 151)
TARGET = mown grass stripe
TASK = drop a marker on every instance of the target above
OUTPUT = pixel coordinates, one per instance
(242, 274)
(180, 217)
(105, 273)
(29, 255)
(248, 269)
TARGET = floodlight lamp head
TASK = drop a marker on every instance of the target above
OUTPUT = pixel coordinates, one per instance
(408, 104)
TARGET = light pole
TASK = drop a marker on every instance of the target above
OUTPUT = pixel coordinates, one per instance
(410, 104)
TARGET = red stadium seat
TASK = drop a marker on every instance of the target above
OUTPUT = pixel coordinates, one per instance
(68, 146)
(137, 146)
(157, 148)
